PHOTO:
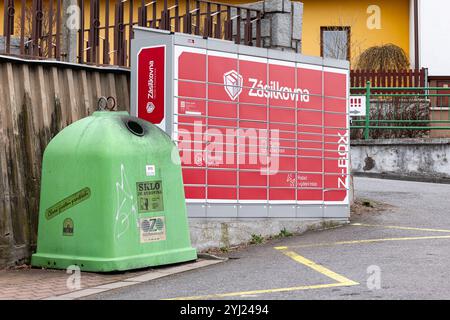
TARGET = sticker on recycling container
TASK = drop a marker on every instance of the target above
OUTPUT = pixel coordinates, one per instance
(68, 227)
(152, 229)
(68, 203)
(150, 170)
(150, 196)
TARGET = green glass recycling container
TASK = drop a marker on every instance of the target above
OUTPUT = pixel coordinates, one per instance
(112, 197)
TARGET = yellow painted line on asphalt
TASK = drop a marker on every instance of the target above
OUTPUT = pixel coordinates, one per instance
(264, 291)
(399, 227)
(341, 281)
(325, 244)
(321, 269)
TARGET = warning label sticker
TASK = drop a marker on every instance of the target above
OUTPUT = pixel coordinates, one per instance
(150, 196)
(152, 229)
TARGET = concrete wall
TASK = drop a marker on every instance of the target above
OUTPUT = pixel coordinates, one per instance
(225, 233)
(418, 159)
(37, 100)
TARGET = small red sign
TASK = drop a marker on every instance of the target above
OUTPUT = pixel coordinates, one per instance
(151, 83)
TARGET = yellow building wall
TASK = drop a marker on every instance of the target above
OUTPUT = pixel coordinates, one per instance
(353, 13)
(394, 23)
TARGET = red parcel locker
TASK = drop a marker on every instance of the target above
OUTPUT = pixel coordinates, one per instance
(253, 128)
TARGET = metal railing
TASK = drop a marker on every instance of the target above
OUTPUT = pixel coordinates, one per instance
(414, 112)
(106, 27)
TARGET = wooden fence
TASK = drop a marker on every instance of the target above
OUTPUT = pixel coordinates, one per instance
(401, 78)
(37, 100)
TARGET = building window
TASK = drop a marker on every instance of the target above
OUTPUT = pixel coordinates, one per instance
(335, 42)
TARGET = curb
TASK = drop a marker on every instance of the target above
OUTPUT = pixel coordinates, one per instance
(203, 261)
(399, 177)
(208, 256)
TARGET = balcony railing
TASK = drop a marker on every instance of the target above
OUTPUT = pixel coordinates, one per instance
(99, 31)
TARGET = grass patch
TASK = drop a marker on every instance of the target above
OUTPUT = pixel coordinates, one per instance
(224, 249)
(256, 239)
(284, 233)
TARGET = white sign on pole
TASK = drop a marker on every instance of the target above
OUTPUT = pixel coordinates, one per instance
(357, 106)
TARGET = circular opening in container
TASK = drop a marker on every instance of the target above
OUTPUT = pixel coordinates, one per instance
(135, 128)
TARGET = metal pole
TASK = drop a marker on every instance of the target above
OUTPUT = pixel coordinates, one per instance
(367, 123)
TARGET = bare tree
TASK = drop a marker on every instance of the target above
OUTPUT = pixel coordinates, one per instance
(385, 57)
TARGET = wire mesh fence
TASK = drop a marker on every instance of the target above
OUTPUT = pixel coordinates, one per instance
(399, 112)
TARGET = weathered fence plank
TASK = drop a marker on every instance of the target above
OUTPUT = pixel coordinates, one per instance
(37, 100)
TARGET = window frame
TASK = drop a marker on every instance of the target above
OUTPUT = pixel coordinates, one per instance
(336, 28)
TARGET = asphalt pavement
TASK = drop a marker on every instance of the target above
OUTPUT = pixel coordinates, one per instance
(401, 252)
